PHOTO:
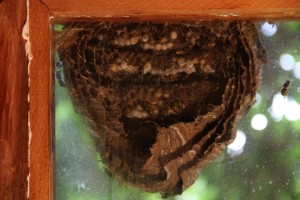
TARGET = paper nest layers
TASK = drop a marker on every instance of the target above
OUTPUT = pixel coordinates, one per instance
(162, 100)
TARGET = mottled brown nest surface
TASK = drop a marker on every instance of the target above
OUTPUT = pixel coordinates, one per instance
(162, 100)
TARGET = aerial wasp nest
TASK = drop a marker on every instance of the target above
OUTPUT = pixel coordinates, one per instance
(162, 100)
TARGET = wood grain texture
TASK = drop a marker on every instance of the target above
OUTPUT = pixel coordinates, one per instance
(39, 99)
(13, 101)
(204, 8)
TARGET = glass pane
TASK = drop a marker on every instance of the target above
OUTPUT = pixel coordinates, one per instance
(131, 98)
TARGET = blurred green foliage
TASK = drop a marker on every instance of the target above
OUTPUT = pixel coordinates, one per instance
(269, 167)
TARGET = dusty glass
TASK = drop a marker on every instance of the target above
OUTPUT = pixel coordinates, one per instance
(263, 162)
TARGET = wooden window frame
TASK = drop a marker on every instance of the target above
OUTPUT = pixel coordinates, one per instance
(43, 12)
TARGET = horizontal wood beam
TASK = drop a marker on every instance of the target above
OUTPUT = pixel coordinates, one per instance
(255, 9)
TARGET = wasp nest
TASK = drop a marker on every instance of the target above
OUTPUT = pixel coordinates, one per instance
(162, 100)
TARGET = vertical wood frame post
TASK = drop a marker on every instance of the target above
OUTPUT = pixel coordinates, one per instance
(13, 101)
(40, 162)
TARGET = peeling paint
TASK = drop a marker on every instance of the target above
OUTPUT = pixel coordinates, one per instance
(25, 35)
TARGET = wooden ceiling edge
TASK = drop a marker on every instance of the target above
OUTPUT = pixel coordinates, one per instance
(271, 14)
(219, 9)
(167, 5)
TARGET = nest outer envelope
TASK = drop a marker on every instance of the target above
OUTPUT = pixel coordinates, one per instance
(161, 100)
